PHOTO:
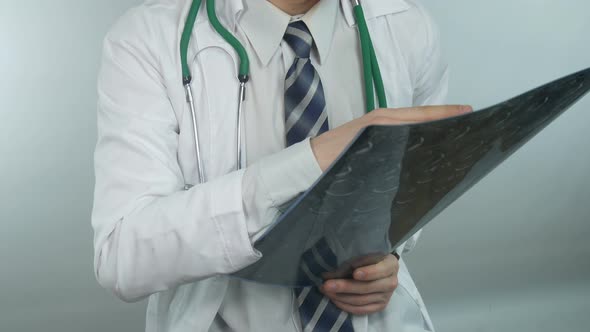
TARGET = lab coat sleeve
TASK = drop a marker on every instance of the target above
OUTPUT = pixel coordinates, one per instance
(431, 80)
(150, 234)
(275, 180)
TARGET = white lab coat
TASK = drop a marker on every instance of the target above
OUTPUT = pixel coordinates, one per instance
(151, 236)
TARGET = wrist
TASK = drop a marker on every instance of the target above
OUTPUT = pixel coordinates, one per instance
(316, 149)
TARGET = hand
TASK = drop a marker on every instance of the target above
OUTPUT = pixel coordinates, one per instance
(370, 290)
(328, 146)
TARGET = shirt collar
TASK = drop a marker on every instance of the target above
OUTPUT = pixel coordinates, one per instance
(265, 26)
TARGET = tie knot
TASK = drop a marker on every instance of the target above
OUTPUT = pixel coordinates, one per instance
(299, 39)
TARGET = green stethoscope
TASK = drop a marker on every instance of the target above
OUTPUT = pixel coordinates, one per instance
(372, 74)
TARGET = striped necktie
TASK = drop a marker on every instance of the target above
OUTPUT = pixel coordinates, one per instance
(317, 312)
(306, 116)
(305, 105)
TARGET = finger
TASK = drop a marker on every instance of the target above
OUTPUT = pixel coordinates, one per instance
(442, 110)
(360, 300)
(361, 310)
(422, 114)
(386, 268)
(431, 113)
(351, 286)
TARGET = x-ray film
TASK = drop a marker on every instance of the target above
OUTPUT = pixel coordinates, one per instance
(392, 180)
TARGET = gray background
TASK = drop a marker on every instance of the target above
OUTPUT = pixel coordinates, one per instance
(511, 255)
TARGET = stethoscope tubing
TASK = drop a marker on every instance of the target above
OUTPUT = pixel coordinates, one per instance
(371, 71)
(189, 99)
(372, 75)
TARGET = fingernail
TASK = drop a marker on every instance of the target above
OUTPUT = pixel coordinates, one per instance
(466, 108)
(360, 275)
(332, 286)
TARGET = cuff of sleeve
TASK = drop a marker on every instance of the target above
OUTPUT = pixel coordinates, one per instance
(273, 181)
(411, 243)
(289, 172)
(234, 235)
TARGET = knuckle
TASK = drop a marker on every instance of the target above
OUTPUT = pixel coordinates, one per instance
(393, 284)
(386, 297)
(392, 263)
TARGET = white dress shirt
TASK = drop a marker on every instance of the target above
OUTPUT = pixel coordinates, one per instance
(337, 58)
(262, 27)
(151, 238)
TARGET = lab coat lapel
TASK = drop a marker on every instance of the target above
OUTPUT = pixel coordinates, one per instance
(214, 66)
(204, 36)
(378, 13)
(373, 9)
(217, 64)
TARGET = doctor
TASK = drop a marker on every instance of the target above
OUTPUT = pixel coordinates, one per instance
(155, 239)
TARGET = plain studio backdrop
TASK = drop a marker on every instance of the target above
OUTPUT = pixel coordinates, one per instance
(511, 255)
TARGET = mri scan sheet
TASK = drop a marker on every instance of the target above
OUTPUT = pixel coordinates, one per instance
(392, 180)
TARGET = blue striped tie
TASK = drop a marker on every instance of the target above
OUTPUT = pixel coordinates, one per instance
(305, 105)
(316, 311)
